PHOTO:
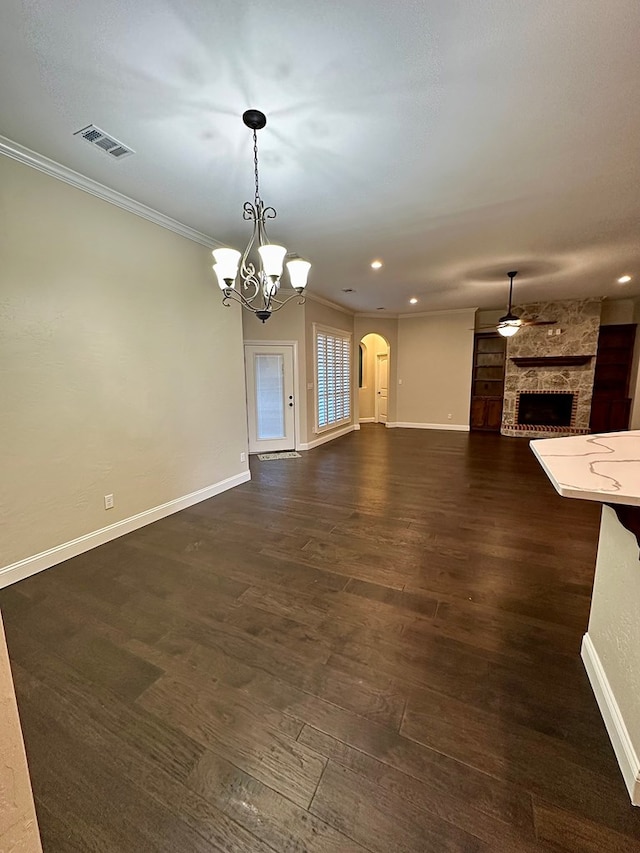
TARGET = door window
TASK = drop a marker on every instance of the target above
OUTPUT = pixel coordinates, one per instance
(269, 373)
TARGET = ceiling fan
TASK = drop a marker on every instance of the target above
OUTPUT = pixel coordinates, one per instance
(511, 323)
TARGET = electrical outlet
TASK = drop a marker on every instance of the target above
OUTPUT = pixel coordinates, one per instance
(558, 331)
(108, 501)
(549, 332)
(243, 457)
(399, 381)
(449, 416)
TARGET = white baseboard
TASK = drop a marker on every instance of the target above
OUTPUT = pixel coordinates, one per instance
(613, 720)
(404, 425)
(367, 420)
(45, 559)
(328, 436)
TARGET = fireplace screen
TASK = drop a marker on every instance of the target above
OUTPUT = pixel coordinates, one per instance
(540, 409)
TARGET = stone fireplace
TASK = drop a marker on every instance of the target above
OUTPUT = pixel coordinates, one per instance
(549, 370)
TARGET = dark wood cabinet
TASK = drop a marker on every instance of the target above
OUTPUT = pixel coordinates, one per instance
(611, 405)
(487, 387)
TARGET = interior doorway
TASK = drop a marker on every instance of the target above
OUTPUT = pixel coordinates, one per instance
(373, 373)
(382, 387)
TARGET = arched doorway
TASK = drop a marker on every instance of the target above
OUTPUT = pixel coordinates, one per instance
(373, 376)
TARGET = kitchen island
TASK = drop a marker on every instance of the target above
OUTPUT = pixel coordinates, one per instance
(606, 468)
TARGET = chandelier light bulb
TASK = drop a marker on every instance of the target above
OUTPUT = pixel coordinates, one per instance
(272, 258)
(227, 262)
(298, 270)
(222, 284)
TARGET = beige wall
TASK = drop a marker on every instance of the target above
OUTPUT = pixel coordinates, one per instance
(616, 311)
(434, 365)
(18, 825)
(614, 626)
(374, 345)
(324, 315)
(486, 321)
(122, 373)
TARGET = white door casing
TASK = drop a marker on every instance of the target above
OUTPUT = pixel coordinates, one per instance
(270, 397)
(382, 387)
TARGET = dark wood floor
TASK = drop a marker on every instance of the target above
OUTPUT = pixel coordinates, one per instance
(372, 648)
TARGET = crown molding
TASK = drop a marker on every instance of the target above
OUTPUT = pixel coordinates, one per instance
(377, 315)
(410, 316)
(315, 298)
(63, 173)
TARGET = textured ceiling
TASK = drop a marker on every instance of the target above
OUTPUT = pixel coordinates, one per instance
(455, 140)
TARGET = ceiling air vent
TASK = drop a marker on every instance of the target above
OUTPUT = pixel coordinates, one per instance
(108, 144)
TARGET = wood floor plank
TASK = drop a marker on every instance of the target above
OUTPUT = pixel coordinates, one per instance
(565, 832)
(83, 778)
(376, 648)
(377, 698)
(269, 753)
(267, 814)
(381, 821)
(495, 812)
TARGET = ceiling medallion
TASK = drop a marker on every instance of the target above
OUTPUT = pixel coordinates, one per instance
(259, 285)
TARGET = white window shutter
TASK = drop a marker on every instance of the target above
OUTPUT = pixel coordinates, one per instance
(333, 378)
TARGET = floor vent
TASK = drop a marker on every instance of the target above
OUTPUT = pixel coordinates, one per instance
(102, 140)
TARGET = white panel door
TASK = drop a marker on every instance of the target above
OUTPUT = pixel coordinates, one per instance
(382, 388)
(270, 398)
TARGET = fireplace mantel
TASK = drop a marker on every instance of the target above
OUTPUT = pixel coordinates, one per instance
(551, 360)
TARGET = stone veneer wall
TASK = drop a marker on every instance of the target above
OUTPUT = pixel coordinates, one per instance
(579, 323)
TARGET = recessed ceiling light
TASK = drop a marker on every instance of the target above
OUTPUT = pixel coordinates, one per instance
(375, 265)
(413, 300)
(348, 290)
(622, 280)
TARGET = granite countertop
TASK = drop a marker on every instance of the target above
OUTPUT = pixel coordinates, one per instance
(603, 467)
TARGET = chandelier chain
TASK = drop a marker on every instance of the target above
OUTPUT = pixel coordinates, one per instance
(255, 165)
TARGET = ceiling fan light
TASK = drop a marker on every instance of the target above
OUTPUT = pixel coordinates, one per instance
(508, 325)
(227, 262)
(272, 258)
(298, 270)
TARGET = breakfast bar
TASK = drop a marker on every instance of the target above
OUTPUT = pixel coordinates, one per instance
(606, 468)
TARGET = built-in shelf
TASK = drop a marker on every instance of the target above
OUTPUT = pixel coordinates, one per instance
(551, 360)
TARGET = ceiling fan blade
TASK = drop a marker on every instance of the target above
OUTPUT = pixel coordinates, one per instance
(539, 322)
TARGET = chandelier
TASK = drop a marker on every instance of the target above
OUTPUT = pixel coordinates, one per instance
(259, 285)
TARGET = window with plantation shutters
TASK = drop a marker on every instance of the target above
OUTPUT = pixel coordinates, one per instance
(333, 378)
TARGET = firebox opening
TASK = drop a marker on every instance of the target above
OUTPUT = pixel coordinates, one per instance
(541, 409)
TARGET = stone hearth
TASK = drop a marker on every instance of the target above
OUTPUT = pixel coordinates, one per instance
(578, 322)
